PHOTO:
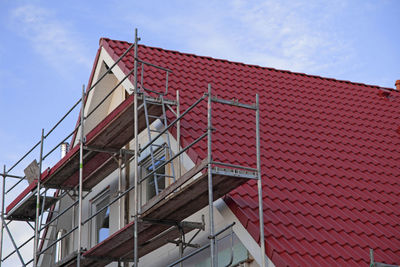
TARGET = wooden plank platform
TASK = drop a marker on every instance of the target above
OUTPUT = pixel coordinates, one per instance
(181, 199)
(112, 133)
(25, 210)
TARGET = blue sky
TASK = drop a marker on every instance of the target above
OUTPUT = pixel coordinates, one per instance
(47, 48)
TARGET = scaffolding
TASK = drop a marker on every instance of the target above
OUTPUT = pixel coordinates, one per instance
(98, 153)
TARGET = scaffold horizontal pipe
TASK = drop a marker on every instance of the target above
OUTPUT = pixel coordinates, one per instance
(155, 66)
(222, 230)
(97, 149)
(12, 176)
(234, 166)
(233, 103)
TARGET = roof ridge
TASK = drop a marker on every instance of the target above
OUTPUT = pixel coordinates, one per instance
(255, 65)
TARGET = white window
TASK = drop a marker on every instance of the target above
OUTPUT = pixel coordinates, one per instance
(60, 246)
(101, 222)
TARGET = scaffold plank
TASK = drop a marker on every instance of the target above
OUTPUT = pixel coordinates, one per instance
(112, 132)
(23, 208)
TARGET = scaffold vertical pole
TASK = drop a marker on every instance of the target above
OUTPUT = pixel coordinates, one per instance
(120, 208)
(210, 185)
(81, 141)
(178, 133)
(36, 239)
(3, 192)
(259, 183)
(136, 172)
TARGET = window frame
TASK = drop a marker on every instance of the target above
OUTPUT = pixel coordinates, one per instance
(94, 207)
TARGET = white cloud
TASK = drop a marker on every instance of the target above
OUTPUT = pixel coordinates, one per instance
(295, 35)
(289, 35)
(51, 38)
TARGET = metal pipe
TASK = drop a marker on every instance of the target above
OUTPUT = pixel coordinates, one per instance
(58, 123)
(232, 103)
(178, 133)
(136, 171)
(222, 230)
(234, 166)
(24, 156)
(20, 246)
(141, 75)
(2, 213)
(12, 187)
(119, 191)
(14, 176)
(166, 83)
(173, 122)
(210, 185)
(30, 225)
(231, 257)
(36, 241)
(168, 152)
(13, 242)
(62, 141)
(259, 183)
(189, 255)
(155, 66)
(81, 141)
(181, 246)
(42, 210)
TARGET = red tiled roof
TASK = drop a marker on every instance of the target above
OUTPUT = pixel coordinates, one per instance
(330, 155)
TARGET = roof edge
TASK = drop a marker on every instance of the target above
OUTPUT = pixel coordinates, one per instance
(104, 39)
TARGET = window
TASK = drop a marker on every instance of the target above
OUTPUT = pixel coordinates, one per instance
(159, 159)
(101, 224)
(60, 246)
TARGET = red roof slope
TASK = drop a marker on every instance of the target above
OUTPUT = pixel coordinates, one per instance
(330, 155)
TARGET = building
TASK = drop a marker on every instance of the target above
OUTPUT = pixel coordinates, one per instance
(329, 158)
